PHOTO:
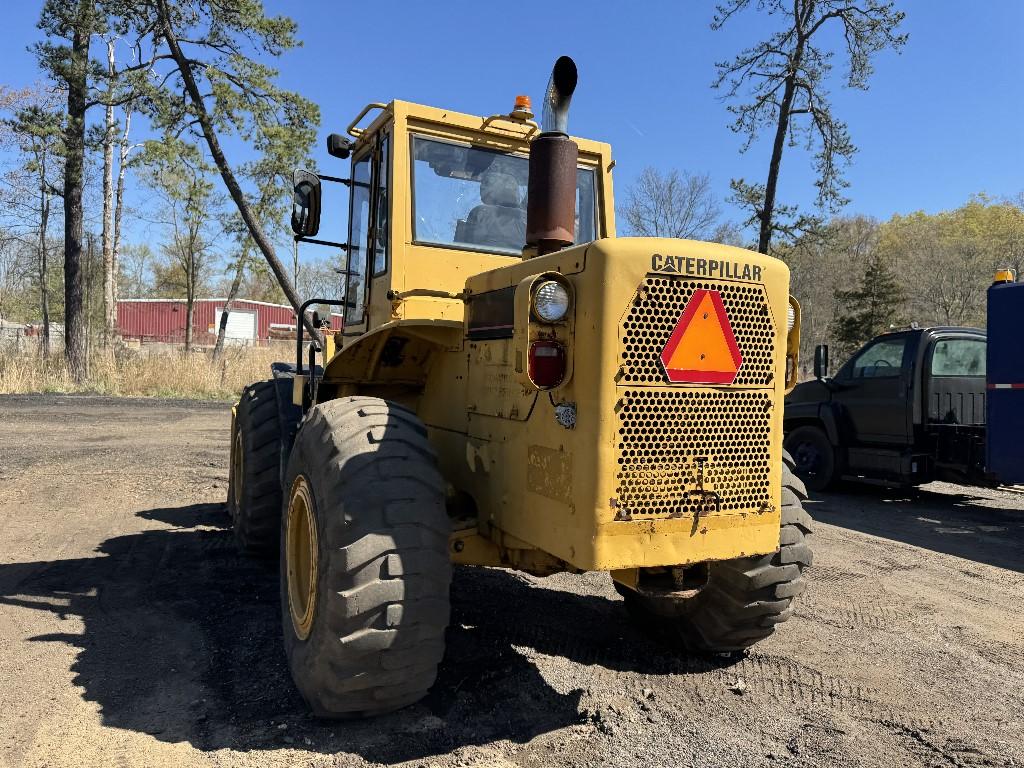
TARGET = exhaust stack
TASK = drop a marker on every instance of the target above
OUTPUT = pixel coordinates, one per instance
(551, 194)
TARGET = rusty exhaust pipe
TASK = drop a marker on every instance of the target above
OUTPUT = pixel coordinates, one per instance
(551, 194)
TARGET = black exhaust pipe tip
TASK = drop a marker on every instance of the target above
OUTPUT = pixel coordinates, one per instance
(565, 76)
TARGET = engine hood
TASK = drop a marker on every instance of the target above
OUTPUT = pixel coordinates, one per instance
(815, 391)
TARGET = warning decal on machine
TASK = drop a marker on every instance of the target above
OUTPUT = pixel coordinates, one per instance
(702, 348)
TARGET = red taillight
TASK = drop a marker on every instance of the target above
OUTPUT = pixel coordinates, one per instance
(547, 363)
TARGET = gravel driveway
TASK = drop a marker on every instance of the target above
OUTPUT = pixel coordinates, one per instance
(131, 633)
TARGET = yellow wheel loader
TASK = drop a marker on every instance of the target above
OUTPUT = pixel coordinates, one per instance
(516, 387)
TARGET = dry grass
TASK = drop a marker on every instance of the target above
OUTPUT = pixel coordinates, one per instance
(130, 373)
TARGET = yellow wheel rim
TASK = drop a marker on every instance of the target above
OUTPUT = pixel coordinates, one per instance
(301, 558)
(237, 469)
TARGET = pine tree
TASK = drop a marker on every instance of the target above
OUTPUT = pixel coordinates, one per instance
(211, 85)
(781, 84)
(870, 308)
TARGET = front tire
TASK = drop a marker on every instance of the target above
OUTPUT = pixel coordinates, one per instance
(814, 458)
(365, 571)
(744, 599)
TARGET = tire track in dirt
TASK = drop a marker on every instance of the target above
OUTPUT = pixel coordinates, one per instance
(897, 655)
(871, 614)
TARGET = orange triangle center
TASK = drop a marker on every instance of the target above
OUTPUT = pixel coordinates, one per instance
(702, 348)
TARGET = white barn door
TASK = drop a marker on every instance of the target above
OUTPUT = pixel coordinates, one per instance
(241, 326)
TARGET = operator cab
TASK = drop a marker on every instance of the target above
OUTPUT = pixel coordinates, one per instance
(425, 182)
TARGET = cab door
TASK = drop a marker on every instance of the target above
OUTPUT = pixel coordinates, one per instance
(368, 246)
(874, 393)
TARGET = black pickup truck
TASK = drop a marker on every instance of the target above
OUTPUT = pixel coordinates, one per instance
(907, 408)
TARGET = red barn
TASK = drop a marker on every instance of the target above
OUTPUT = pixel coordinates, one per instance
(249, 322)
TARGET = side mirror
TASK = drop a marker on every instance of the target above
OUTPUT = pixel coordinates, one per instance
(305, 203)
(821, 361)
(338, 146)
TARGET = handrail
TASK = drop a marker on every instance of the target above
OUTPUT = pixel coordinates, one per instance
(357, 132)
(298, 336)
(494, 118)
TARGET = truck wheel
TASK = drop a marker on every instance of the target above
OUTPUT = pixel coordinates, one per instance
(813, 456)
(365, 570)
(744, 599)
(261, 440)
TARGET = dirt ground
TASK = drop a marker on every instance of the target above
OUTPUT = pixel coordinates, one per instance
(131, 633)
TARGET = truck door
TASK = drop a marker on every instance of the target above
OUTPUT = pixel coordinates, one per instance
(874, 393)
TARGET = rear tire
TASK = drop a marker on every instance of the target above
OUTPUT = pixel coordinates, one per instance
(744, 599)
(262, 438)
(365, 570)
(814, 458)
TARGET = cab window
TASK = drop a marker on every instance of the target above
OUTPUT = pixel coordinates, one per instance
(882, 360)
(358, 240)
(380, 254)
(368, 226)
(959, 357)
(472, 198)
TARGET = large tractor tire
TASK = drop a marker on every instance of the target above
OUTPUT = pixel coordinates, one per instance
(262, 438)
(365, 570)
(744, 599)
(814, 458)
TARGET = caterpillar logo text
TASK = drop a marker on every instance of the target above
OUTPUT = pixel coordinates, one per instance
(690, 265)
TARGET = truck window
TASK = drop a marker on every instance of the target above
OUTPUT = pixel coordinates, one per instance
(467, 197)
(883, 359)
(959, 357)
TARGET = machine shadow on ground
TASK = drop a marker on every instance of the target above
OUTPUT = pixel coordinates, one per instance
(181, 640)
(952, 523)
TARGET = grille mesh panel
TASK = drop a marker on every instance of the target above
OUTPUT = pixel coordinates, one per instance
(663, 432)
(656, 308)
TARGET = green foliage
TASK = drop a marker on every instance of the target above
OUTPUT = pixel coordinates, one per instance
(223, 40)
(953, 255)
(37, 128)
(872, 307)
(213, 82)
(829, 260)
(177, 171)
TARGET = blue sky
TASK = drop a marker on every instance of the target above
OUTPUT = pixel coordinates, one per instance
(940, 122)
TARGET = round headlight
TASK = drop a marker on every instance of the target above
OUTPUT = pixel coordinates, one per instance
(551, 301)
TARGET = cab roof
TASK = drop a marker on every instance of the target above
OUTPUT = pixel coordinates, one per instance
(502, 129)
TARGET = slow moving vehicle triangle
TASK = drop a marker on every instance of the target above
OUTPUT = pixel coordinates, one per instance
(702, 348)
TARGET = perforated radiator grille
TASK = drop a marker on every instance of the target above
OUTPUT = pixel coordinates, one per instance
(666, 436)
(656, 308)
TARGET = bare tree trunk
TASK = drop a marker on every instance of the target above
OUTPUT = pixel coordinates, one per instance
(765, 234)
(75, 339)
(190, 291)
(189, 301)
(44, 218)
(90, 270)
(236, 284)
(125, 148)
(217, 153)
(109, 302)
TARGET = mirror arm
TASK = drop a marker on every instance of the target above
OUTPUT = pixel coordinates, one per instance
(343, 246)
(335, 179)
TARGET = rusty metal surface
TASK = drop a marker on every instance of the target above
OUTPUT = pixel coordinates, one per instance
(551, 202)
